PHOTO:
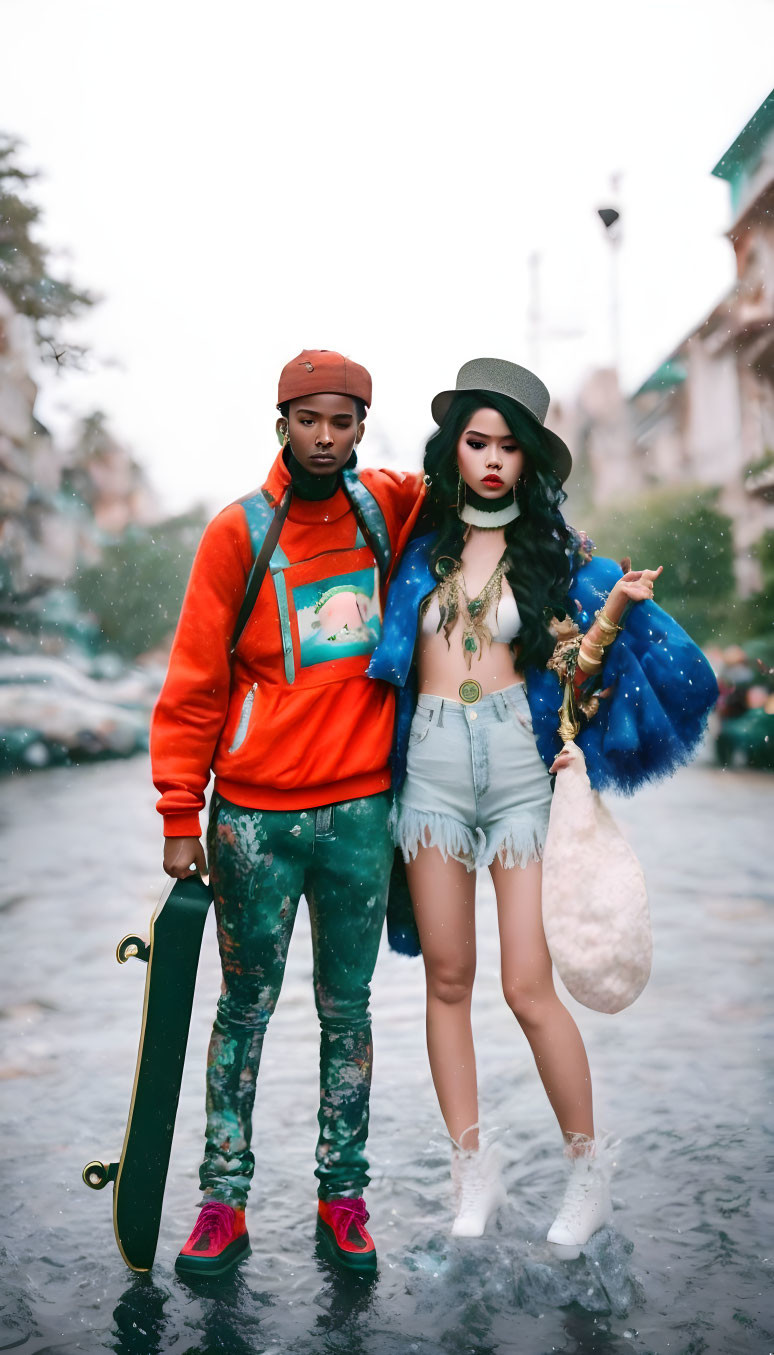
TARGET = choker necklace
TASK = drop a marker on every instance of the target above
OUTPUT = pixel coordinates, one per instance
(485, 512)
(489, 517)
(496, 517)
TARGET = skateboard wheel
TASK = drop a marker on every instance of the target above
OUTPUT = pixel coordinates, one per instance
(132, 947)
(96, 1175)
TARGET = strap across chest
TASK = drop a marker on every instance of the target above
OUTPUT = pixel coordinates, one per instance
(265, 524)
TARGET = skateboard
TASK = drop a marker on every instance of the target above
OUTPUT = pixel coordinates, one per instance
(172, 957)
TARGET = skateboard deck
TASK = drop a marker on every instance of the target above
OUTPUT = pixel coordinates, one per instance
(139, 1176)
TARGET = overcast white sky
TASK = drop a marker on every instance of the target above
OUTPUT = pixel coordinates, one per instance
(240, 180)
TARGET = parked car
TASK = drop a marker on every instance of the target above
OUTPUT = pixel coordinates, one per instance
(51, 713)
(133, 688)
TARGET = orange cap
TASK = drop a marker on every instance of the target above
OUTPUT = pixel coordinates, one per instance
(319, 371)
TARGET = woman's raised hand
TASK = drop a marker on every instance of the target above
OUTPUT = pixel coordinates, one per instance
(635, 586)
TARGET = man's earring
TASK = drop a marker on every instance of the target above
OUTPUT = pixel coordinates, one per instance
(283, 436)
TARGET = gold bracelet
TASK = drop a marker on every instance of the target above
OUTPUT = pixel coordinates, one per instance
(588, 666)
(606, 638)
(594, 647)
(609, 628)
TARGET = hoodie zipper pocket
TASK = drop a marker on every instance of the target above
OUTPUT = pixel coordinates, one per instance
(244, 719)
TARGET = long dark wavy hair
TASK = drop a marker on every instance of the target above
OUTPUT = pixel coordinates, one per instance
(537, 564)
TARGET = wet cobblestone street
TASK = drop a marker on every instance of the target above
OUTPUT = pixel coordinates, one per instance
(683, 1079)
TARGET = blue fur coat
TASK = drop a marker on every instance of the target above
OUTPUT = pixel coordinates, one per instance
(662, 685)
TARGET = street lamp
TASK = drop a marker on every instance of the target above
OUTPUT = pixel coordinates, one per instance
(611, 220)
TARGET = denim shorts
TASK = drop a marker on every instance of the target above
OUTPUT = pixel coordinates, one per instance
(476, 786)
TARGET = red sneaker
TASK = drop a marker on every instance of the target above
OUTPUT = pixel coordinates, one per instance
(217, 1242)
(341, 1225)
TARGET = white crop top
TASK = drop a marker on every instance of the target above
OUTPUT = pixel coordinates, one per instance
(505, 624)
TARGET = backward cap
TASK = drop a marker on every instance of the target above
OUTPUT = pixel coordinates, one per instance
(320, 371)
(516, 383)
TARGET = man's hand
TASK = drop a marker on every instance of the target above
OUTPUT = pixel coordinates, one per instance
(181, 853)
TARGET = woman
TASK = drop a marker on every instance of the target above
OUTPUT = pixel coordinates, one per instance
(467, 636)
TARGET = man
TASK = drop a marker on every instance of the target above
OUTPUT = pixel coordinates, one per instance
(298, 738)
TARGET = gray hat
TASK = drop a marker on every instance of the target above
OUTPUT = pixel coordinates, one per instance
(518, 384)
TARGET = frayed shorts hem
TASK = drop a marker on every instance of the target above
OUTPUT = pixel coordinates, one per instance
(514, 842)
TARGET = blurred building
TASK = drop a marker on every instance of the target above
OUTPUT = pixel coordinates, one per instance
(706, 415)
(58, 504)
(597, 424)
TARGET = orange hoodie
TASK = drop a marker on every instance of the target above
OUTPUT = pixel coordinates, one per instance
(274, 745)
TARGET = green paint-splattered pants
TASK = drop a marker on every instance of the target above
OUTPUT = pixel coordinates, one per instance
(261, 862)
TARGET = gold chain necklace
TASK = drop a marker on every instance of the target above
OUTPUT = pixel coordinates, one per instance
(452, 594)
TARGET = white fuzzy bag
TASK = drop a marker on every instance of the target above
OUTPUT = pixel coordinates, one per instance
(595, 904)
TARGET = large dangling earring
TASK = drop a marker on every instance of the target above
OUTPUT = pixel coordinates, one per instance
(461, 494)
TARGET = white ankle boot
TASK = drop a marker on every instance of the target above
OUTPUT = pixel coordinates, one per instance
(586, 1206)
(478, 1189)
